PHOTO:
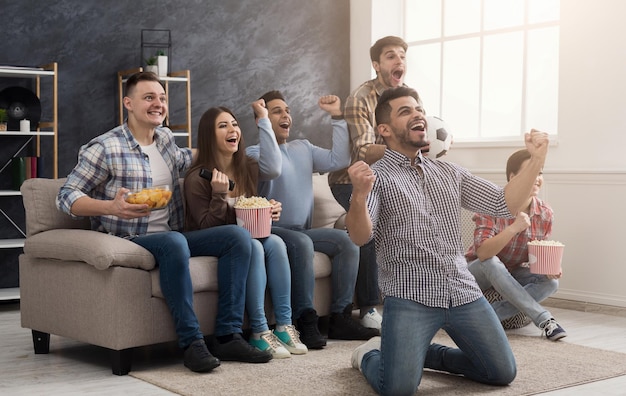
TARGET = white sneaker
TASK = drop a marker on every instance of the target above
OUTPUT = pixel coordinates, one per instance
(361, 350)
(267, 341)
(290, 339)
(372, 319)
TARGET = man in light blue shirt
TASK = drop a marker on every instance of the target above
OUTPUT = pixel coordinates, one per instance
(294, 188)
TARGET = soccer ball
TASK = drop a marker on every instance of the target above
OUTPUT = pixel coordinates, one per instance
(439, 136)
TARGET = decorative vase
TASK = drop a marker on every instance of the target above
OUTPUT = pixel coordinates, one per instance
(162, 62)
(152, 68)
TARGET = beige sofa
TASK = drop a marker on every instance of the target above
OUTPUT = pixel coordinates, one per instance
(104, 290)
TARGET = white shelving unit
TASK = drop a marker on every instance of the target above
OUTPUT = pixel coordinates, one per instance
(44, 129)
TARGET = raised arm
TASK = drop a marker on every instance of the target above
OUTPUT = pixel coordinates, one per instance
(358, 221)
(338, 157)
(517, 190)
(269, 157)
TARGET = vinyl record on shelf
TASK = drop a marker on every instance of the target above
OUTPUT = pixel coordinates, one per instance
(21, 103)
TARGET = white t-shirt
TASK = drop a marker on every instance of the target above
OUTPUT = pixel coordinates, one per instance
(161, 175)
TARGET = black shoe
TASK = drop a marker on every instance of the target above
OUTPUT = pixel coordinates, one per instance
(197, 357)
(238, 350)
(309, 332)
(343, 327)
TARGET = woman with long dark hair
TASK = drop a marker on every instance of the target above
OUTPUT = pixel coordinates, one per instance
(211, 203)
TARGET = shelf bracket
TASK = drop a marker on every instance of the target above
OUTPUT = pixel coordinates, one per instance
(30, 139)
(13, 223)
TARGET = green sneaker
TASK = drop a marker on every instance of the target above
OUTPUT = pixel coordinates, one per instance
(267, 341)
(290, 339)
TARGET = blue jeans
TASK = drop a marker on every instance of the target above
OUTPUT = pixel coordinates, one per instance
(172, 250)
(521, 290)
(483, 352)
(269, 266)
(344, 256)
(367, 294)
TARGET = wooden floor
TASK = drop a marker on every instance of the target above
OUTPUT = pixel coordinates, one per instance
(73, 368)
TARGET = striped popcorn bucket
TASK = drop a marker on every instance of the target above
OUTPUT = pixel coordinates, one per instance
(256, 220)
(545, 259)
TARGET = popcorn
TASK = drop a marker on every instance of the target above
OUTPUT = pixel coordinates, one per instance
(545, 243)
(252, 203)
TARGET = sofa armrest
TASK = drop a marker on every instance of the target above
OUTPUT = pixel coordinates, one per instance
(341, 222)
(93, 247)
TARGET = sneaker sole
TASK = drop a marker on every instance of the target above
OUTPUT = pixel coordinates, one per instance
(317, 345)
(292, 350)
(371, 324)
(204, 368)
(557, 337)
(247, 359)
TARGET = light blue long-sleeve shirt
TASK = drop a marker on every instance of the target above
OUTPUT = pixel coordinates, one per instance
(294, 187)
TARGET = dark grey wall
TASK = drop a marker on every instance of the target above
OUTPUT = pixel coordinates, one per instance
(236, 50)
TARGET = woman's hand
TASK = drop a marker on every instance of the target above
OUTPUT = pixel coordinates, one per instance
(219, 182)
(277, 207)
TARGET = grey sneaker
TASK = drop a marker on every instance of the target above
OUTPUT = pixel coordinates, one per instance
(552, 330)
(197, 357)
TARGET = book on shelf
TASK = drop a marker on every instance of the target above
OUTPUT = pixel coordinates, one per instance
(24, 168)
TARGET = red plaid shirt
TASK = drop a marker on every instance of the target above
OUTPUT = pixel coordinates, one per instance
(516, 251)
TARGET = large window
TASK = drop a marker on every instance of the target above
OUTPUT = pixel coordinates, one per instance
(489, 68)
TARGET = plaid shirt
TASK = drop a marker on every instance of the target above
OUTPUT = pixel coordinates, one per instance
(114, 160)
(516, 251)
(359, 114)
(416, 227)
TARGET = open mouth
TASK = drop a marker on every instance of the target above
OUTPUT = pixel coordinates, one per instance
(285, 125)
(397, 74)
(417, 125)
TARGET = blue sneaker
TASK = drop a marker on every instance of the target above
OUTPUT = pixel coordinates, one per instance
(552, 330)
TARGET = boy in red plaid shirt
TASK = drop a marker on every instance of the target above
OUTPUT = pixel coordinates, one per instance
(499, 250)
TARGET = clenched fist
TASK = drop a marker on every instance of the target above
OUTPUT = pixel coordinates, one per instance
(331, 104)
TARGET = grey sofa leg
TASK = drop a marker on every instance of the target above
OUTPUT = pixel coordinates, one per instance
(41, 342)
(121, 361)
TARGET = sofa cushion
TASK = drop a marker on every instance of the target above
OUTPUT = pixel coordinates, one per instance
(95, 248)
(327, 212)
(41, 211)
(203, 271)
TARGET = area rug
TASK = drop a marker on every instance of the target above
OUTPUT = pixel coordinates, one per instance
(542, 366)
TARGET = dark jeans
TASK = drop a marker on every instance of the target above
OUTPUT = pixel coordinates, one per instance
(367, 294)
(172, 250)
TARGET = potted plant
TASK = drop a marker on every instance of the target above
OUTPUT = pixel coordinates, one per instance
(151, 65)
(162, 62)
(3, 120)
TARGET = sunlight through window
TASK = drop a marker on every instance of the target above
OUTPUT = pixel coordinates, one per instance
(488, 67)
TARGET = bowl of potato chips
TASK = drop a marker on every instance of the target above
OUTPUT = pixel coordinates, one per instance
(156, 197)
